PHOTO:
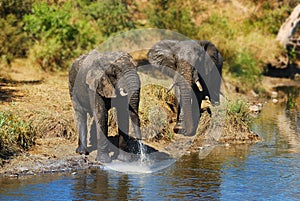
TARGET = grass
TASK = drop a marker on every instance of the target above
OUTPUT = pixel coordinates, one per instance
(16, 135)
(238, 120)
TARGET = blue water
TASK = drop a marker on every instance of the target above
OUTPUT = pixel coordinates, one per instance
(269, 170)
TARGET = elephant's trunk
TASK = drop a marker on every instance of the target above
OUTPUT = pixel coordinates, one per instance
(133, 82)
(186, 105)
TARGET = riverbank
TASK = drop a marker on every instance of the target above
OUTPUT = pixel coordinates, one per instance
(43, 100)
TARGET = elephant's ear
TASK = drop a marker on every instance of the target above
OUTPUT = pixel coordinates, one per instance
(98, 82)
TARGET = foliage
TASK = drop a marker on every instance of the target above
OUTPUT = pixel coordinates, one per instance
(112, 16)
(13, 41)
(57, 38)
(238, 114)
(63, 32)
(15, 135)
(269, 19)
(15, 7)
(173, 15)
(60, 30)
(245, 67)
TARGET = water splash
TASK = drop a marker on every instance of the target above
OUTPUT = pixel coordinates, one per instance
(143, 156)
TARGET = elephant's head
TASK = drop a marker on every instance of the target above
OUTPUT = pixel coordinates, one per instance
(189, 57)
(183, 58)
(114, 74)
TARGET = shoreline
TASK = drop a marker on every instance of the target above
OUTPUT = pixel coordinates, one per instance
(54, 149)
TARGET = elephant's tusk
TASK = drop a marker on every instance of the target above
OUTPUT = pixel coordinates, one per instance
(171, 87)
(122, 93)
(199, 86)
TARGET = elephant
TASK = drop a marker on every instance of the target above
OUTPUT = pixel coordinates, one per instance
(196, 68)
(98, 82)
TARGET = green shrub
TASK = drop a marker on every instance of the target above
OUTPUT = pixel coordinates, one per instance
(269, 18)
(112, 16)
(15, 7)
(238, 114)
(173, 15)
(13, 41)
(245, 68)
(15, 135)
(58, 37)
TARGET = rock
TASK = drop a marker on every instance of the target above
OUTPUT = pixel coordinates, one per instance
(255, 108)
(274, 94)
(275, 100)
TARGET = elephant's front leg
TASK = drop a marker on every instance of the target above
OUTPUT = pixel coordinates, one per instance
(81, 122)
(123, 129)
(100, 113)
(179, 127)
(196, 100)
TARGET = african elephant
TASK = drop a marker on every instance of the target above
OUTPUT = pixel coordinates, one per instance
(196, 67)
(97, 82)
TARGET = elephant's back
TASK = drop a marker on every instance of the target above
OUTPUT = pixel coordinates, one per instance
(73, 72)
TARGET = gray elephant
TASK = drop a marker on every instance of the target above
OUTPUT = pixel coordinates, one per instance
(196, 67)
(97, 82)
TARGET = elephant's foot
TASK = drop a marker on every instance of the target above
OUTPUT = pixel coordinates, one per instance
(124, 156)
(103, 157)
(82, 150)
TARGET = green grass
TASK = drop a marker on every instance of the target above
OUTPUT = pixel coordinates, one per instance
(238, 114)
(15, 135)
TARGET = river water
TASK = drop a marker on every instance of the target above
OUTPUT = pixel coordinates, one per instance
(269, 170)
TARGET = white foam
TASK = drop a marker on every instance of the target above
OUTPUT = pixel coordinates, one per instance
(138, 167)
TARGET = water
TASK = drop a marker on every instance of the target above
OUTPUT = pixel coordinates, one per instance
(269, 170)
(143, 155)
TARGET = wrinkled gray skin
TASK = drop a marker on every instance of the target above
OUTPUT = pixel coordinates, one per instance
(98, 82)
(196, 67)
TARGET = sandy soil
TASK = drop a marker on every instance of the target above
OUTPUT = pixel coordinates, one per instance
(43, 100)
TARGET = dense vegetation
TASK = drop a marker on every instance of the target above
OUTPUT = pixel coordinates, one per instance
(52, 33)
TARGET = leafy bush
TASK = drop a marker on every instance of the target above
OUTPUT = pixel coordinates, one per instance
(238, 114)
(112, 16)
(13, 41)
(172, 15)
(15, 135)
(58, 37)
(15, 7)
(245, 67)
(269, 17)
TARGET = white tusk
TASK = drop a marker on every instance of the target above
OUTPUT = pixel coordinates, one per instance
(171, 87)
(122, 93)
(199, 86)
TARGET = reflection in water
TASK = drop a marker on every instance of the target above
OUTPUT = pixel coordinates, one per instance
(97, 184)
(267, 170)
